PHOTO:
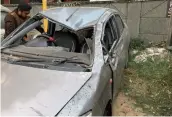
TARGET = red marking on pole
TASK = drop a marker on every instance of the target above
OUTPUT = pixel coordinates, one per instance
(110, 81)
(67, 0)
(27, 1)
(6, 1)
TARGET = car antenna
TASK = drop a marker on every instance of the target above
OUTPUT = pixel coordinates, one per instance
(71, 15)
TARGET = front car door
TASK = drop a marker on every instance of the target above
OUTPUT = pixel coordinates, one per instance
(116, 58)
(116, 44)
(119, 49)
(109, 43)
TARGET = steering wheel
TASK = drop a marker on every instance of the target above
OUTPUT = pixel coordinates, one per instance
(50, 40)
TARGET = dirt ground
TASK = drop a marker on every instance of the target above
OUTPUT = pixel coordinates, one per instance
(124, 106)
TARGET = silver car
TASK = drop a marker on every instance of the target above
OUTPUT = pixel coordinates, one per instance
(74, 69)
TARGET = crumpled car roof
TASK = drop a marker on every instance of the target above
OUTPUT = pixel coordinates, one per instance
(75, 17)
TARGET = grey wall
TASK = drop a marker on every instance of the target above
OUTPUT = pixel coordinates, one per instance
(146, 20)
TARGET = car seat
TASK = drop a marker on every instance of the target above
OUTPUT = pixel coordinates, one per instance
(66, 40)
(38, 42)
(87, 46)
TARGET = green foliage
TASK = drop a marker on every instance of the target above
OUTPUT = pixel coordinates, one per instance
(137, 44)
(150, 84)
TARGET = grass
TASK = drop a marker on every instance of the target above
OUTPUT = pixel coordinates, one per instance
(150, 83)
(137, 44)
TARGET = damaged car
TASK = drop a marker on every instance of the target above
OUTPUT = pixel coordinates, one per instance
(73, 69)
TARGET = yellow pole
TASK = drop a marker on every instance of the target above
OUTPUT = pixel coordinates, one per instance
(44, 6)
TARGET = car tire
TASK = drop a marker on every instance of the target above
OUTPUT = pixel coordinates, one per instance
(114, 106)
(108, 109)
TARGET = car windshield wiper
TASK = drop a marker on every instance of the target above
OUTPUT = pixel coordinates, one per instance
(53, 61)
(40, 60)
(9, 46)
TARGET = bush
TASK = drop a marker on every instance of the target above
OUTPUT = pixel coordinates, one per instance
(137, 44)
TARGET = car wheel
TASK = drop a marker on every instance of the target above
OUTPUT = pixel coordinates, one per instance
(108, 109)
(114, 107)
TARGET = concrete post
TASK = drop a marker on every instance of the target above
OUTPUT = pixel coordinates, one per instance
(169, 41)
(133, 19)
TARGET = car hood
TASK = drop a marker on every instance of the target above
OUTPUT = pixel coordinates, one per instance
(37, 92)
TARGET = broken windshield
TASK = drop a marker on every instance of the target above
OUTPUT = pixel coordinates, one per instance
(21, 27)
(58, 41)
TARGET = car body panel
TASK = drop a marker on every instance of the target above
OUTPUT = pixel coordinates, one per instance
(88, 98)
(75, 17)
(33, 91)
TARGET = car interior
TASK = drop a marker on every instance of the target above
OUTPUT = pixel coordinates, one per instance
(78, 42)
(58, 42)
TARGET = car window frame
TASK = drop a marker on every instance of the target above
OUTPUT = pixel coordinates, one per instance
(119, 32)
(119, 36)
(115, 30)
(115, 43)
(103, 32)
